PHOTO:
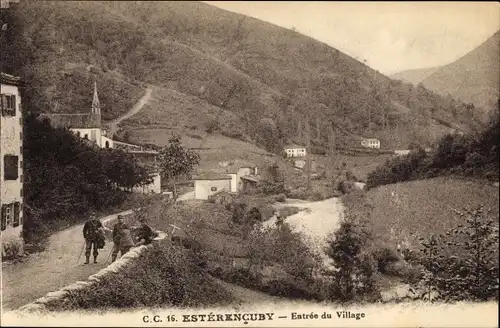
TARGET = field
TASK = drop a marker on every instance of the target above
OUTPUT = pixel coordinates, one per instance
(403, 212)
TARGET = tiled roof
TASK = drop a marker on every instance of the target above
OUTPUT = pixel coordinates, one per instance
(9, 79)
(253, 178)
(82, 121)
(212, 176)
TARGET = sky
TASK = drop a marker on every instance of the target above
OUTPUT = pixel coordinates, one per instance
(390, 36)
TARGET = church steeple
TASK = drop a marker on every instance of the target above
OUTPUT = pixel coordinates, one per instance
(96, 106)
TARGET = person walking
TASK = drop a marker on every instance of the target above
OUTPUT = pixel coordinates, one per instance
(122, 239)
(94, 238)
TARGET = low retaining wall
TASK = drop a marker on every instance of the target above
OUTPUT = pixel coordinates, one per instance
(40, 304)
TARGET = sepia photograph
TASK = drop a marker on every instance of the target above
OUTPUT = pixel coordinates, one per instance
(249, 163)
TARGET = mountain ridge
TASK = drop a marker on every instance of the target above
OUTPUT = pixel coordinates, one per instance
(472, 78)
(276, 76)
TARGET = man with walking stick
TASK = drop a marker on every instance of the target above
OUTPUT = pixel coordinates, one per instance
(94, 237)
(122, 239)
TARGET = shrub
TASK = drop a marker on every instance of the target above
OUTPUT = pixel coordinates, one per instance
(11, 250)
(463, 263)
(385, 257)
(280, 198)
(354, 279)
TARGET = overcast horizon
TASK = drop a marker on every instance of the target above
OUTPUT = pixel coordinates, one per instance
(390, 36)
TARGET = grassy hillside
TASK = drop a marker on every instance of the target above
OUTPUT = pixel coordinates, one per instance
(201, 58)
(474, 78)
(414, 76)
(403, 212)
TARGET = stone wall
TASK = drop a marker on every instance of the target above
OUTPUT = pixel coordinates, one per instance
(57, 296)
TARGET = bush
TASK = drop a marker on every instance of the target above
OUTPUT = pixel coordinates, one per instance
(463, 263)
(281, 198)
(354, 279)
(384, 258)
(11, 250)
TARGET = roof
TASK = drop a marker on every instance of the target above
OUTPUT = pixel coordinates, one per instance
(252, 178)
(211, 176)
(75, 121)
(10, 79)
(292, 145)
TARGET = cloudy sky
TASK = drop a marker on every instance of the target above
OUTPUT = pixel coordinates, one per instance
(390, 36)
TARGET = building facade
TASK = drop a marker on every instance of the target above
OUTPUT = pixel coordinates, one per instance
(236, 170)
(210, 183)
(294, 151)
(370, 143)
(11, 164)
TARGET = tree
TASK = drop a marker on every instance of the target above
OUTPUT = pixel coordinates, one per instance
(176, 161)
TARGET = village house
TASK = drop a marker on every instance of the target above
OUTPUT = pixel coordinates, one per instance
(223, 197)
(11, 163)
(249, 183)
(236, 170)
(370, 143)
(209, 183)
(301, 164)
(293, 150)
(88, 126)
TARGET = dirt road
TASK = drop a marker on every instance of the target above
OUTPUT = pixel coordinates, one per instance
(317, 221)
(113, 125)
(52, 269)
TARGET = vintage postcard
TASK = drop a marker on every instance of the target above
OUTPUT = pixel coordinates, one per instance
(249, 164)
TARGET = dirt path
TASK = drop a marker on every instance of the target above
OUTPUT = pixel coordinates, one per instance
(113, 125)
(317, 221)
(52, 269)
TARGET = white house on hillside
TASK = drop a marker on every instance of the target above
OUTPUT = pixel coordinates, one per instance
(236, 170)
(370, 143)
(293, 150)
(11, 162)
(209, 183)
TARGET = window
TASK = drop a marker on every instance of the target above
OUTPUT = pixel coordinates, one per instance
(213, 189)
(107, 144)
(6, 215)
(8, 105)
(17, 211)
(11, 167)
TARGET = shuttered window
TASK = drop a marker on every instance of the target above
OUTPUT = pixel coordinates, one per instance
(11, 167)
(8, 105)
(6, 216)
(17, 211)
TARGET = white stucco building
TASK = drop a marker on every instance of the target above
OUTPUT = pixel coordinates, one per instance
(293, 150)
(236, 170)
(11, 163)
(209, 183)
(370, 143)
